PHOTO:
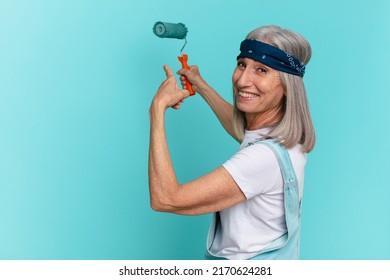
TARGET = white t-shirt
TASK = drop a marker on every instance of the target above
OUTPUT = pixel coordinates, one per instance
(246, 228)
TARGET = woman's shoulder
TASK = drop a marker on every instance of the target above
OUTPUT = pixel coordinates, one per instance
(254, 158)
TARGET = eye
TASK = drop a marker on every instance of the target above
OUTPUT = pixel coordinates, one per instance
(262, 70)
(241, 64)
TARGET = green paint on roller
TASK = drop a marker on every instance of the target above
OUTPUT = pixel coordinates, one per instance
(170, 30)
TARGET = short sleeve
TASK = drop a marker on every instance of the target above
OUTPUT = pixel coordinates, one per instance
(256, 171)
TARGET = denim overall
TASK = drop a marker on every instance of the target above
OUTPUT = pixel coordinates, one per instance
(285, 247)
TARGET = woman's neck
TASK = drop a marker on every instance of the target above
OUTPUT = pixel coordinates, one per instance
(261, 120)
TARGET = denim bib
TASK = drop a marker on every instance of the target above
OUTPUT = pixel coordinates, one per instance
(285, 247)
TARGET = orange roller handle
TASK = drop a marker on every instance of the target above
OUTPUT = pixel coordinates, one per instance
(183, 59)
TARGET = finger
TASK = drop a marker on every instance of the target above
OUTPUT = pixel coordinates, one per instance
(182, 71)
(168, 71)
(183, 82)
(176, 107)
(185, 93)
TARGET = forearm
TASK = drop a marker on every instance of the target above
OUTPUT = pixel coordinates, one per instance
(163, 183)
(209, 193)
(221, 108)
(212, 192)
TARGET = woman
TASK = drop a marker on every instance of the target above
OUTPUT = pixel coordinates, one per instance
(256, 195)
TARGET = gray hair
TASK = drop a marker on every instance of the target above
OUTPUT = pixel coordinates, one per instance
(296, 126)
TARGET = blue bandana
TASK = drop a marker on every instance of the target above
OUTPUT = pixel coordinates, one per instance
(272, 57)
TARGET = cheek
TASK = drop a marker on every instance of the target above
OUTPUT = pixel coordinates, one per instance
(235, 77)
(278, 95)
(278, 90)
(272, 87)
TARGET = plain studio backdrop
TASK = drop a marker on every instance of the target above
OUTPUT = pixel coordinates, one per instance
(76, 82)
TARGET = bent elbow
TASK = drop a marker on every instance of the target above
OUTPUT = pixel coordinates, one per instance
(159, 206)
(163, 198)
(156, 206)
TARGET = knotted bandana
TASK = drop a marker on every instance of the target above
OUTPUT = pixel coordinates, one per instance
(272, 57)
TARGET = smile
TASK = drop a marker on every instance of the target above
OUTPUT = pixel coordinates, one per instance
(247, 95)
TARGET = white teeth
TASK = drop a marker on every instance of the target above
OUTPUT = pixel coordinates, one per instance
(247, 95)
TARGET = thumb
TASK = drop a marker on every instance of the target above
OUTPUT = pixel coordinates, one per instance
(168, 71)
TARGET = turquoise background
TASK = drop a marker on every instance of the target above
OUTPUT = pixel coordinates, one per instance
(76, 81)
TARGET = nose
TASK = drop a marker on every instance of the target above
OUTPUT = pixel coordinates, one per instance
(244, 77)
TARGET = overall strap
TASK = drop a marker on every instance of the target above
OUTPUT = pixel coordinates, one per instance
(286, 246)
(284, 161)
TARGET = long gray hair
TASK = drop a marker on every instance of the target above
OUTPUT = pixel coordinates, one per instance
(296, 126)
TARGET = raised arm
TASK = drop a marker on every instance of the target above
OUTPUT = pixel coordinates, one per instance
(209, 193)
(221, 108)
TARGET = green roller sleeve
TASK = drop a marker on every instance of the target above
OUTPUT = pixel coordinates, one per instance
(170, 30)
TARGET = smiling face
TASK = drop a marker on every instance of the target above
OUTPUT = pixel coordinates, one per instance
(259, 93)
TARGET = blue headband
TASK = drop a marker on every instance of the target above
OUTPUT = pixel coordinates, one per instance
(272, 57)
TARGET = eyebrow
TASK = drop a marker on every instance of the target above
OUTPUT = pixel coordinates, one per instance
(256, 63)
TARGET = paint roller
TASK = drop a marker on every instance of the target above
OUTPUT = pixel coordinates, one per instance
(176, 31)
